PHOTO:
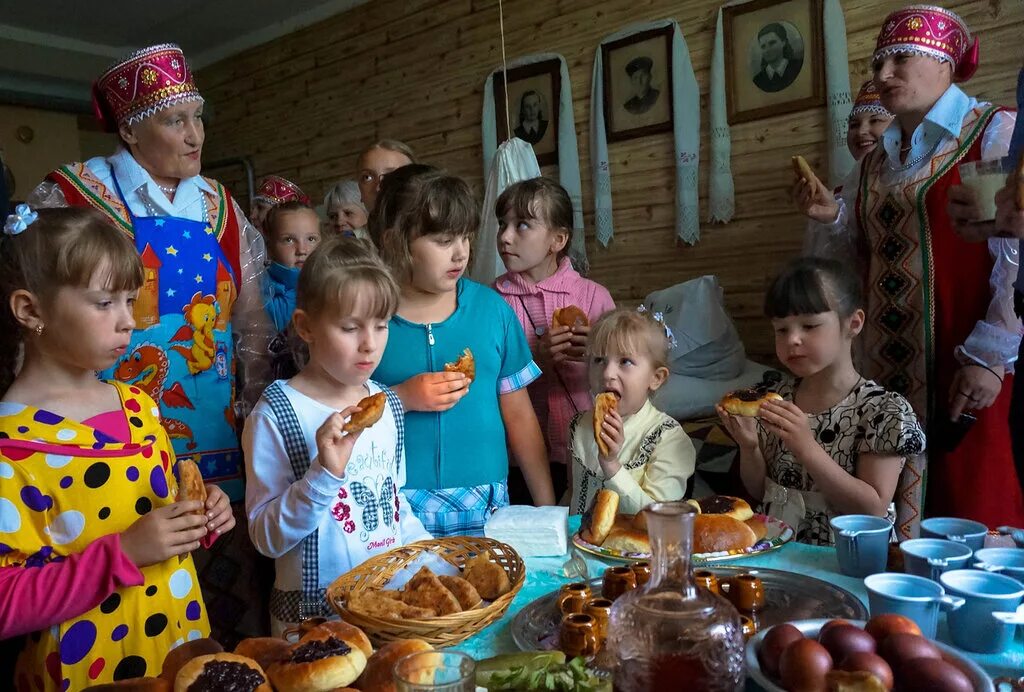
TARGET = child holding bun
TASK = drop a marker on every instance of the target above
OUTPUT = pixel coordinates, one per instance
(639, 452)
(534, 226)
(835, 443)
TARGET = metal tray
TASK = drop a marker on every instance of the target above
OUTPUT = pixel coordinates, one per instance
(788, 596)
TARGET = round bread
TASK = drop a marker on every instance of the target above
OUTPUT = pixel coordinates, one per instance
(210, 671)
(758, 526)
(350, 634)
(134, 685)
(569, 316)
(713, 533)
(627, 540)
(379, 673)
(319, 661)
(747, 402)
(263, 650)
(601, 517)
(180, 655)
(735, 507)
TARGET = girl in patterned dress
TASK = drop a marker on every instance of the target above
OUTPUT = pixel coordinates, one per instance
(837, 442)
(94, 551)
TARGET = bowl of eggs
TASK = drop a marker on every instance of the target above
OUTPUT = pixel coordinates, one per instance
(886, 652)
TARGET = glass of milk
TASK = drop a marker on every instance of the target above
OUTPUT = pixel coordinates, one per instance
(986, 178)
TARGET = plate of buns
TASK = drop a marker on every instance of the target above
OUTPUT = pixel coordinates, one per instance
(725, 528)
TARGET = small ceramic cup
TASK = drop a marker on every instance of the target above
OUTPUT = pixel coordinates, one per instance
(1008, 561)
(930, 557)
(986, 623)
(749, 627)
(745, 591)
(862, 543)
(642, 572)
(578, 635)
(707, 579)
(600, 609)
(957, 530)
(571, 597)
(911, 596)
(617, 581)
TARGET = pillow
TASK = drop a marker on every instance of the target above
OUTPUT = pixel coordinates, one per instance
(684, 397)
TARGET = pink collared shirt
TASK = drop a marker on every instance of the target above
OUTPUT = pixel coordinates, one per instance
(534, 304)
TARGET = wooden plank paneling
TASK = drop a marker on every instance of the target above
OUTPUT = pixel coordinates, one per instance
(306, 104)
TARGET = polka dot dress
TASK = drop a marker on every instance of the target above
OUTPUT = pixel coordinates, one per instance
(63, 485)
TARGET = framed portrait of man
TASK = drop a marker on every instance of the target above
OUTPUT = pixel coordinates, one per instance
(533, 92)
(637, 76)
(774, 62)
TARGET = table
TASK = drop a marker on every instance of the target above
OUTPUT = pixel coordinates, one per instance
(544, 574)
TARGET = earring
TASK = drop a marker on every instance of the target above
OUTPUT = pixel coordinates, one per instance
(39, 329)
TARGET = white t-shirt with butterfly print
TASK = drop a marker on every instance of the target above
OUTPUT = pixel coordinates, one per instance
(358, 516)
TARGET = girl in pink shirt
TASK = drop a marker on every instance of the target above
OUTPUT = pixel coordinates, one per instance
(535, 221)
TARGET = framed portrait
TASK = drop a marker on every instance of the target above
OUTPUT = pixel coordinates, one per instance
(533, 92)
(637, 75)
(774, 61)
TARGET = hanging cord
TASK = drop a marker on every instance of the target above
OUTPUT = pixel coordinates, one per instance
(504, 69)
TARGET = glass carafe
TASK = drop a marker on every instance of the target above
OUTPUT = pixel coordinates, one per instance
(669, 634)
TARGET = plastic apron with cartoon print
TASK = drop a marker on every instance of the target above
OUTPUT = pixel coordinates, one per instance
(181, 351)
(64, 484)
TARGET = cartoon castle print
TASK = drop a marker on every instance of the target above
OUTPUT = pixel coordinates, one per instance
(147, 306)
(226, 295)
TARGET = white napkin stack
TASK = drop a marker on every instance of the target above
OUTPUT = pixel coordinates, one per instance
(532, 531)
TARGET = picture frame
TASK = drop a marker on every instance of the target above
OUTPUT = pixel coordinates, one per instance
(774, 58)
(637, 80)
(534, 92)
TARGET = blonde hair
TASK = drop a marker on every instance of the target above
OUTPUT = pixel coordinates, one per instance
(390, 145)
(626, 332)
(340, 272)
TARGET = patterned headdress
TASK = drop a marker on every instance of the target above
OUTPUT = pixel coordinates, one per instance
(141, 84)
(869, 101)
(275, 190)
(933, 31)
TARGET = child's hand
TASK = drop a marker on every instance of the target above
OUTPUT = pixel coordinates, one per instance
(743, 429)
(554, 344)
(578, 350)
(815, 201)
(219, 517)
(164, 533)
(785, 420)
(333, 446)
(613, 437)
(432, 391)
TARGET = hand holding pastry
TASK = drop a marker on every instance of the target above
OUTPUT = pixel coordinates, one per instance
(785, 420)
(220, 518)
(432, 391)
(812, 197)
(742, 429)
(333, 444)
(612, 436)
(164, 532)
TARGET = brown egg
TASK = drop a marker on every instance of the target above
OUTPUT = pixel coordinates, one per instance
(774, 643)
(843, 640)
(901, 647)
(933, 675)
(881, 626)
(804, 665)
(830, 624)
(861, 661)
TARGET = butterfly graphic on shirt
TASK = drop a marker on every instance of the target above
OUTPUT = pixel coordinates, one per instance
(376, 506)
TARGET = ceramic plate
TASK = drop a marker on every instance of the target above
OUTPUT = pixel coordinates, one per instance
(777, 534)
(980, 680)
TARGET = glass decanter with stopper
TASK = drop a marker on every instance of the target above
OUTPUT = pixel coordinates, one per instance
(669, 634)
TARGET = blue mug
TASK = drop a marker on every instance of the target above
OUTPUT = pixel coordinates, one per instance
(913, 597)
(930, 557)
(986, 623)
(1008, 561)
(862, 543)
(957, 530)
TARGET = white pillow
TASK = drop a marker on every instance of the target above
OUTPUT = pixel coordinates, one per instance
(685, 398)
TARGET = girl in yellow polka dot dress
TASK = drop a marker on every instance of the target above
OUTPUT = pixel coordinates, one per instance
(94, 551)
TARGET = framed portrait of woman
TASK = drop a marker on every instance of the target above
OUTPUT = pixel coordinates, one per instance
(774, 62)
(533, 92)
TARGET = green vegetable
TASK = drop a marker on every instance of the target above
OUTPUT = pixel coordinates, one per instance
(543, 672)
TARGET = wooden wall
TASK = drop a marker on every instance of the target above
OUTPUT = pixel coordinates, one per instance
(303, 106)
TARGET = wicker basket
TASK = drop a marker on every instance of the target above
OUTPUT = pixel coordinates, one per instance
(444, 630)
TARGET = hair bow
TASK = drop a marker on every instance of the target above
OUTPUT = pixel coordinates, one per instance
(22, 217)
(660, 319)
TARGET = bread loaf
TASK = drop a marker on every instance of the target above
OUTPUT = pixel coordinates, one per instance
(714, 533)
(600, 518)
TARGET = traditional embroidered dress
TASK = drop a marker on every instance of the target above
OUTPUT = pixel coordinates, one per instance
(64, 484)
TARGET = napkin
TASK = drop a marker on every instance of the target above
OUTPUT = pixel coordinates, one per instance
(532, 531)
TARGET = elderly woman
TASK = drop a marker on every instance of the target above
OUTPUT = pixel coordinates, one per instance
(940, 325)
(200, 323)
(346, 213)
(273, 191)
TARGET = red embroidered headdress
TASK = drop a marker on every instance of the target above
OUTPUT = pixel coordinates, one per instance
(141, 84)
(933, 31)
(869, 101)
(274, 190)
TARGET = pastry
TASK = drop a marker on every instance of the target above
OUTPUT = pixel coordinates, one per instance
(488, 578)
(466, 594)
(569, 316)
(373, 604)
(379, 673)
(425, 590)
(747, 402)
(803, 169)
(180, 655)
(371, 409)
(220, 672)
(603, 403)
(319, 661)
(465, 364)
(628, 540)
(134, 685)
(758, 526)
(600, 518)
(263, 650)
(344, 631)
(714, 533)
(735, 507)
(190, 484)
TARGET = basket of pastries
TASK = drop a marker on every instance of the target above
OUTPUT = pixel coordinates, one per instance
(442, 609)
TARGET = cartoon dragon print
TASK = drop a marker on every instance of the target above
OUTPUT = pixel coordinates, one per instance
(146, 367)
(201, 314)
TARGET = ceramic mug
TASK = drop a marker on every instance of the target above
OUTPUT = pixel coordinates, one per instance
(749, 626)
(1008, 561)
(958, 530)
(989, 618)
(617, 581)
(911, 596)
(930, 557)
(862, 543)
(642, 572)
(745, 591)
(578, 635)
(600, 609)
(571, 597)
(707, 579)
